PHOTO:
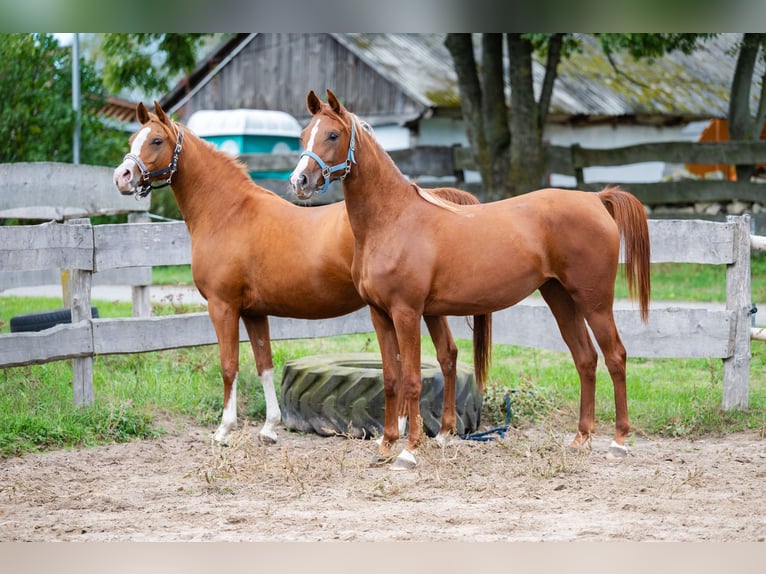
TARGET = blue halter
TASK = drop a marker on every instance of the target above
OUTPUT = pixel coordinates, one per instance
(345, 166)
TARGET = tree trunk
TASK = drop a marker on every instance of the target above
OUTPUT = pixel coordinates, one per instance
(495, 118)
(742, 126)
(506, 143)
(460, 47)
(527, 169)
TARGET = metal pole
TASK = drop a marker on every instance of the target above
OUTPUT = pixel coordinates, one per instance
(76, 97)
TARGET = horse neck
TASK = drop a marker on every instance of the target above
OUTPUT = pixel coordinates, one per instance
(208, 184)
(376, 192)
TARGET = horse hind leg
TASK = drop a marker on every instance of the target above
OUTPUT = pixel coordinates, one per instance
(604, 329)
(260, 341)
(573, 330)
(446, 354)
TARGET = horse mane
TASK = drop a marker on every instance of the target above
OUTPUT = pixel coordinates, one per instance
(428, 196)
(438, 202)
(227, 161)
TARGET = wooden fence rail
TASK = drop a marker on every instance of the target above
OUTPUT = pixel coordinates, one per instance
(441, 161)
(673, 330)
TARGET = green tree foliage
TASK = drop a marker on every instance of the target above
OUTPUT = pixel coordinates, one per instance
(148, 61)
(36, 117)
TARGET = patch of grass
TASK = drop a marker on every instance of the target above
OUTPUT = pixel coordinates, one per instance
(668, 397)
(172, 275)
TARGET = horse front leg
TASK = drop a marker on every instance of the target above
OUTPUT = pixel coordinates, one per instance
(226, 324)
(260, 341)
(407, 326)
(389, 350)
(446, 354)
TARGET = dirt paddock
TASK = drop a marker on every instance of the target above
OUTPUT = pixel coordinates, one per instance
(525, 487)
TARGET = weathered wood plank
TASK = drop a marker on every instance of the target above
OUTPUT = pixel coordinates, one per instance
(45, 246)
(436, 161)
(270, 161)
(672, 331)
(691, 241)
(736, 369)
(126, 276)
(688, 191)
(54, 344)
(139, 244)
(139, 334)
(50, 190)
(731, 153)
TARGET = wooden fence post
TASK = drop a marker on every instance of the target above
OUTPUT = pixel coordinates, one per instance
(78, 293)
(142, 304)
(736, 369)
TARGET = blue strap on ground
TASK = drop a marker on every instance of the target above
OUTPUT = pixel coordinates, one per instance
(492, 434)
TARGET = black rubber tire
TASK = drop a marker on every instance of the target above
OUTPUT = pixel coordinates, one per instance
(343, 394)
(42, 321)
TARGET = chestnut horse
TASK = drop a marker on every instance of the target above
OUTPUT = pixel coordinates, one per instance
(416, 255)
(255, 254)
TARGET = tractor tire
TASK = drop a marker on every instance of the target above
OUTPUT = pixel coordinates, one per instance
(343, 395)
(41, 321)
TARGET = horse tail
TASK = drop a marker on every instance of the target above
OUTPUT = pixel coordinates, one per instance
(630, 216)
(482, 324)
(482, 348)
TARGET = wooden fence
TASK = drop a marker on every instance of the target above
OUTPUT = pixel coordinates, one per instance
(124, 254)
(673, 330)
(445, 161)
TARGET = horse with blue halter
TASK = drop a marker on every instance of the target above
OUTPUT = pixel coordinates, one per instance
(255, 254)
(416, 255)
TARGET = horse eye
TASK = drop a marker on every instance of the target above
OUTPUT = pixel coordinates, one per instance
(156, 141)
(332, 136)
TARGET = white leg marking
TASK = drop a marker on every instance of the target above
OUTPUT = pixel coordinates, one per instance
(617, 450)
(405, 461)
(229, 418)
(273, 414)
(402, 426)
(304, 161)
(441, 438)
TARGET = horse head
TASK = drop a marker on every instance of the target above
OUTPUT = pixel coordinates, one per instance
(153, 156)
(328, 141)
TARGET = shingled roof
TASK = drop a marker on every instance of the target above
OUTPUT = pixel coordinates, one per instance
(676, 88)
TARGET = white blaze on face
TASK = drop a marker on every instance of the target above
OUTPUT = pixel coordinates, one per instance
(128, 164)
(304, 161)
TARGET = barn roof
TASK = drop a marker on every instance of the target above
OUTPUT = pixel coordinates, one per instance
(674, 88)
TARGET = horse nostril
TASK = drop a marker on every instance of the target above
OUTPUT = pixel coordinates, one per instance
(303, 180)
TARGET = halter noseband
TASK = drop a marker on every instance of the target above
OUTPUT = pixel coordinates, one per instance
(345, 166)
(146, 175)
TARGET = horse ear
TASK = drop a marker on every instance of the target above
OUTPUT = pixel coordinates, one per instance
(333, 101)
(161, 113)
(142, 114)
(313, 103)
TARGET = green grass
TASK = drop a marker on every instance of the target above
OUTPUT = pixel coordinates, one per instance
(136, 393)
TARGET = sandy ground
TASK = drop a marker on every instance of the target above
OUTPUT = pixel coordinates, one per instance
(525, 487)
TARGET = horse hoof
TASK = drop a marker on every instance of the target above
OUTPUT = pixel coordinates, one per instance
(267, 438)
(220, 439)
(442, 438)
(405, 461)
(617, 451)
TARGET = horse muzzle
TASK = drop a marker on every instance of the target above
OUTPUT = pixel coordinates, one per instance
(124, 179)
(302, 187)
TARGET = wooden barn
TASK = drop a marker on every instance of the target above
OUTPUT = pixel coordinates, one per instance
(405, 86)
